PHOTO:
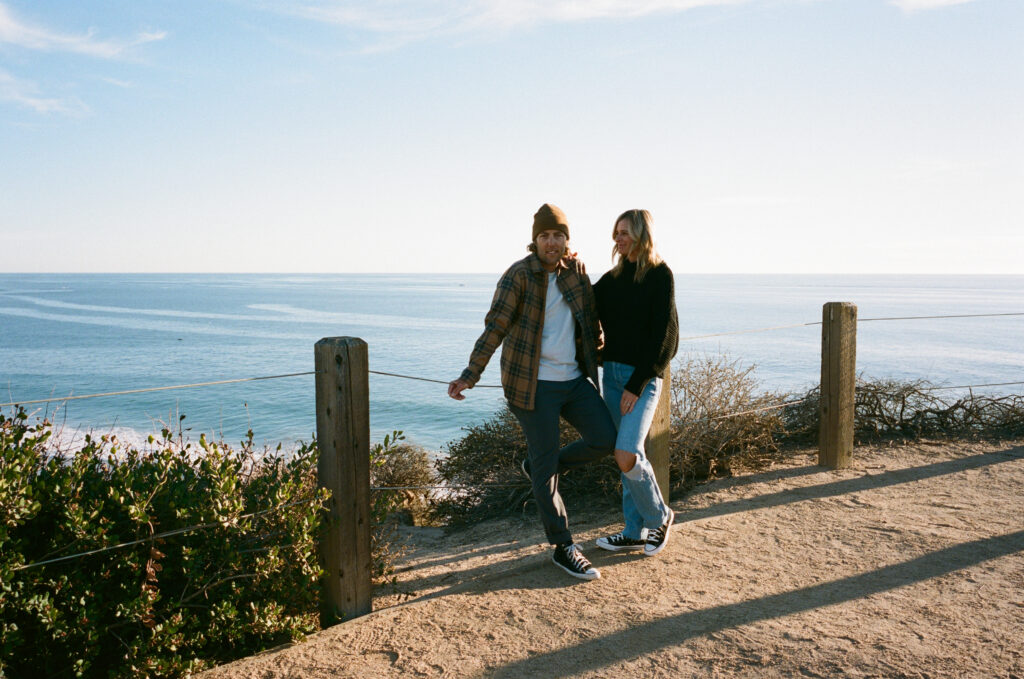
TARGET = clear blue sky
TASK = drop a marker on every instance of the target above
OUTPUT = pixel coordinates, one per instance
(373, 135)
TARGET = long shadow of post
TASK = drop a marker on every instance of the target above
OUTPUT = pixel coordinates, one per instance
(652, 636)
(867, 482)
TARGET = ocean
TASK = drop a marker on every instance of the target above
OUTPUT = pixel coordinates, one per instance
(75, 334)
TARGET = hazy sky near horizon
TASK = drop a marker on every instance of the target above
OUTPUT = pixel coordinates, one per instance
(765, 136)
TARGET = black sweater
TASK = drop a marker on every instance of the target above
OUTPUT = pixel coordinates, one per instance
(640, 325)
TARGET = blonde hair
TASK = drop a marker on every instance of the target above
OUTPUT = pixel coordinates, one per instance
(639, 227)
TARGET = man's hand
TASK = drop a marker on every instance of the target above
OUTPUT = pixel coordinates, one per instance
(456, 387)
(626, 404)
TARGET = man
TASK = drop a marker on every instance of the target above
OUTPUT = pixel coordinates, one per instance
(544, 316)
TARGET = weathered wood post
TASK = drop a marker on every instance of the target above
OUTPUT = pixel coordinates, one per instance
(838, 379)
(343, 434)
(656, 444)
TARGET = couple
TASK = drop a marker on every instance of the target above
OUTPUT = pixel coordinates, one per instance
(548, 320)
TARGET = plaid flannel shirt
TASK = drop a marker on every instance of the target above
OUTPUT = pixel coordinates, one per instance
(516, 322)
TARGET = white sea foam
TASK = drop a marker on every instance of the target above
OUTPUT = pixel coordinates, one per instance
(282, 313)
(174, 313)
(295, 314)
(141, 324)
(66, 438)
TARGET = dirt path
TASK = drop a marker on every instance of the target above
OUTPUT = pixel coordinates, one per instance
(909, 564)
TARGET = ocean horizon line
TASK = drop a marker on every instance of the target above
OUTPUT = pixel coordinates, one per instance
(987, 274)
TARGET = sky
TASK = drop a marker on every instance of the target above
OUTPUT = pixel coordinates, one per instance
(765, 136)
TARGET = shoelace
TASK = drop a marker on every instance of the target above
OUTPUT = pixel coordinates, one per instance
(654, 535)
(577, 559)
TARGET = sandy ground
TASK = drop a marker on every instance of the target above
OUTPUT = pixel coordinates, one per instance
(908, 564)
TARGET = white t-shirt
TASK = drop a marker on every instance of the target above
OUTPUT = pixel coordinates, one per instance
(558, 341)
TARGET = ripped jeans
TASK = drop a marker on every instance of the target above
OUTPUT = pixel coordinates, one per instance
(642, 503)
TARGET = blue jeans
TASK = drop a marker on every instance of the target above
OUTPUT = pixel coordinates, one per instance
(642, 504)
(579, 403)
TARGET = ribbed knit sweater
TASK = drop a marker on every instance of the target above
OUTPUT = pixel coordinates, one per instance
(639, 320)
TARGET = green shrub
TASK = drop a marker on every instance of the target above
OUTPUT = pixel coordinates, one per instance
(245, 581)
(245, 578)
(394, 464)
(406, 468)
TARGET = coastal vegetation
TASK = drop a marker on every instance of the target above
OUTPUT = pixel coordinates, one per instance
(720, 421)
(188, 554)
(158, 562)
(221, 559)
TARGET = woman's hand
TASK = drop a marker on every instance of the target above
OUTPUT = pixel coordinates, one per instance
(627, 402)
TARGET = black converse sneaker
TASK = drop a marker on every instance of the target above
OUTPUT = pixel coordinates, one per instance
(619, 543)
(657, 538)
(571, 560)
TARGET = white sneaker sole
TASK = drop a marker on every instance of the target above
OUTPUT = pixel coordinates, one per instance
(624, 548)
(596, 575)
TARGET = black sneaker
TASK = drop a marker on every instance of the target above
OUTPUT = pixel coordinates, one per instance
(657, 538)
(525, 466)
(571, 560)
(619, 543)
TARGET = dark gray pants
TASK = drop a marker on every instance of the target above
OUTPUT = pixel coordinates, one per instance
(579, 402)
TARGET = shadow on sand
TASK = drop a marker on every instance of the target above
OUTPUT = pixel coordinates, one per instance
(854, 485)
(500, 573)
(597, 653)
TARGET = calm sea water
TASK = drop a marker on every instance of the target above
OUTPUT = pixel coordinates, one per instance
(66, 334)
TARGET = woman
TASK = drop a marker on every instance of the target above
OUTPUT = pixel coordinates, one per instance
(637, 309)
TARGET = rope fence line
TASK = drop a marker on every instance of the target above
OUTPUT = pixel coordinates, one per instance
(752, 330)
(917, 318)
(859, 320)
(350, 388)
(377, 372)
(214, 524)
(427, 379)
(497, 386)
(973, 386)
(158, 536)
(204, 526)
(523, 485)
(750, 412)
(217, 382)
(194, 528)
(443, 487)
(141, 391)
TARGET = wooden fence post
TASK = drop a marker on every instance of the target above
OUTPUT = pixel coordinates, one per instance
(656, 445)
(343, 435)
(838, 380)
